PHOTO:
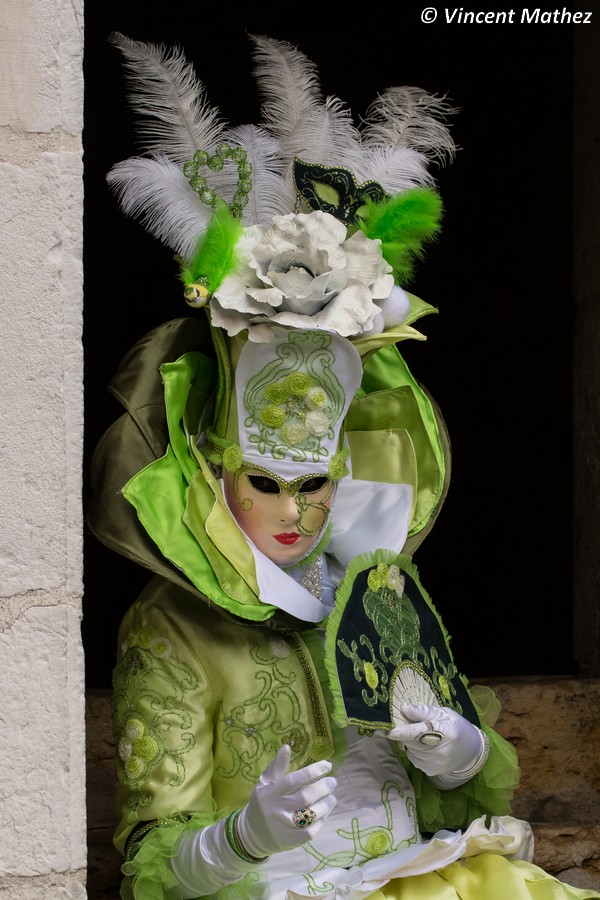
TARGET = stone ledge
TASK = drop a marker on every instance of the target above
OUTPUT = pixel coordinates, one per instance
(569, 851)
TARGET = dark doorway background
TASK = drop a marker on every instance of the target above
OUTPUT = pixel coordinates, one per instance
(498, 356)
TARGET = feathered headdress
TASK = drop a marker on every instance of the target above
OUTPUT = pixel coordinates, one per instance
(201, 184)
(297, 236)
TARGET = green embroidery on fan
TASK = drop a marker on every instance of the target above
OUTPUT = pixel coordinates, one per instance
(397, 623)
(150, 722)
(394, 616)
(386, 647)
(254, 730)
(295, 400)
(371, 670)
(445, 674)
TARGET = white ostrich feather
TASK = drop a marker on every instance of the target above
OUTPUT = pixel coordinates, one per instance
(325, 134)
(394, 168)
(403, 131)
(272, 194)
(155, 191)
(410, 117)
(288, 83)
(165, 91)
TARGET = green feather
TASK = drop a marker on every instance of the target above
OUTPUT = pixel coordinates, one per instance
(215, 255)
(403, 224)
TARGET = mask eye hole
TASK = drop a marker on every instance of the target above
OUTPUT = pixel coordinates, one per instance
(263, 485)
(312, 485)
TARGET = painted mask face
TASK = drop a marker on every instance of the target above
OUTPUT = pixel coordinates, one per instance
(283, 519)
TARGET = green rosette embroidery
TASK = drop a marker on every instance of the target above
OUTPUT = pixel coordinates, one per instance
(295, 401)
(150, 721)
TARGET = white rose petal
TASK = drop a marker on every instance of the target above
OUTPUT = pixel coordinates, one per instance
(303, 272)
(271, 296)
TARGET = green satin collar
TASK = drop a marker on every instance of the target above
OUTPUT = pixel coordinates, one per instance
(179, 504)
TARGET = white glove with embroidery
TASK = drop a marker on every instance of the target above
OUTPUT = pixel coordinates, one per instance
(455, 758)
(206, 860)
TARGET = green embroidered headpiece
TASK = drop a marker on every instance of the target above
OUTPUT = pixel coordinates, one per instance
(287, 405)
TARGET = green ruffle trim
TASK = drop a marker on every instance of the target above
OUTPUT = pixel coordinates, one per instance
(148, 875)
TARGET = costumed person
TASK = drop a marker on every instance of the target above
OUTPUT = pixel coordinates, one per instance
(289, 718)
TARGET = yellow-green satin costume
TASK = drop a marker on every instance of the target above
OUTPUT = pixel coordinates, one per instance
(201, 705)
(211, 681)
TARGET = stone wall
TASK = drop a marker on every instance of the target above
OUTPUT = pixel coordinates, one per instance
(42, 789)
(555, 728)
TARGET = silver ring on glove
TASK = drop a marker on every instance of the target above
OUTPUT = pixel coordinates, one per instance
(304, 817)
(431, 737)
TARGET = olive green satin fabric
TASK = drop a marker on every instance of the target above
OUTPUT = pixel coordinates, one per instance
(174, 499)
(391, 400)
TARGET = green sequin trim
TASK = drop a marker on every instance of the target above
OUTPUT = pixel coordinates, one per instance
(321, 747)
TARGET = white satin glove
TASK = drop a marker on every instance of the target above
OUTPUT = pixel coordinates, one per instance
(266, 825)
(460, 754)
(205, 859)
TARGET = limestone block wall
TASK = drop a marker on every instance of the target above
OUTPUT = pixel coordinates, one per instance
(42, 738)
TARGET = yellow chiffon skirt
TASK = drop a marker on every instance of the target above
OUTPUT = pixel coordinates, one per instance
(484, 877)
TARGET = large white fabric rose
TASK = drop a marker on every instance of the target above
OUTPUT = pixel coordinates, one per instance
(302, 272)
